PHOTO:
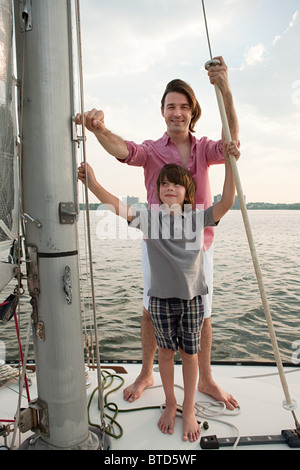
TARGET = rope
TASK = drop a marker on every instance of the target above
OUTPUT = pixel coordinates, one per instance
(289, 403)
(21, 384)
(23, 362)
(206, 410)
(255, 259)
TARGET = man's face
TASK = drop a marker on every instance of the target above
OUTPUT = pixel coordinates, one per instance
(177, 112)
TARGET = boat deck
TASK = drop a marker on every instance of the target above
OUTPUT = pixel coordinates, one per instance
(257, 389)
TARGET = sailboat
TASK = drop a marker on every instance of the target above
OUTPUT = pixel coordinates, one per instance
(38, 227)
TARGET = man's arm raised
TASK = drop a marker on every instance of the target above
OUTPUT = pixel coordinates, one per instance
(218, 75)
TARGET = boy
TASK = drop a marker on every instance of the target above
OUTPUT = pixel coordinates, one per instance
(173, 235)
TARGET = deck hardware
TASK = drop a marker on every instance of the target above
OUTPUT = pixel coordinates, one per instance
(77, 138)
(33, 283)
(35, 418)
(4, 433)
(292, 437)
(41, 409)
(32, 270)
(288, 437)
(28, 218)
(67, 213)
(40, 330)
(26, 15)
(27, 420)
(39, 326)
(68, 284)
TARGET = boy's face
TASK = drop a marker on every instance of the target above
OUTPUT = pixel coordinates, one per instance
(172, 193)
(177, 112)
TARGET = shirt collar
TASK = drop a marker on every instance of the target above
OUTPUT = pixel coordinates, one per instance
(166, 139)
(164, 209)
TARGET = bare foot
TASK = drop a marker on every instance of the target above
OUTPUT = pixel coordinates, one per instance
(212, 389)
(167, 420)
(191, 430)
(135, 390)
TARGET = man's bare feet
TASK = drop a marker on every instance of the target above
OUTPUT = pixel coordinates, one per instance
(191, 430)
(135, 390)
(212, 389)
(166, 422)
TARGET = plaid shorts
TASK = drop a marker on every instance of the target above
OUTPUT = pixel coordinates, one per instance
(177, 322)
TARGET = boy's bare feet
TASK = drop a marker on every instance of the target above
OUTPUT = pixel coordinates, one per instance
(166, 422)
(135, 390)
(212, 389)
(191, 430)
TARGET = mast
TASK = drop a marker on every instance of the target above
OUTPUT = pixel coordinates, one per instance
(45, 72)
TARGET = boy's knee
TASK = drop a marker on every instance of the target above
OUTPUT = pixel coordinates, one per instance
(166, 353)
(188, 357)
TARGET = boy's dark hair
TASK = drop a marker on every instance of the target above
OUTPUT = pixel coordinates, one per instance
(178, 175)
(179, 86)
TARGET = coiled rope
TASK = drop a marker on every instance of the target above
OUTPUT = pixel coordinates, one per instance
(206, 410)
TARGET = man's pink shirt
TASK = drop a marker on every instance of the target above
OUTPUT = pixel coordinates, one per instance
(153, 155)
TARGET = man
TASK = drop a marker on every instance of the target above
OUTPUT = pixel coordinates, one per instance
(181, 111)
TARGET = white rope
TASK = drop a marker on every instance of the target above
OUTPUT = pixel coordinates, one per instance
(21, 384)
(255, 260)
(259, 277)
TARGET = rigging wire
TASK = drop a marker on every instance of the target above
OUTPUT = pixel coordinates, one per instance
(99, 378)
(289, 404)
(19, 246)
(206, 27)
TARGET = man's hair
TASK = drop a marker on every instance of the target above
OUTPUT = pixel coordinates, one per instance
(178, 175)
(179, 86)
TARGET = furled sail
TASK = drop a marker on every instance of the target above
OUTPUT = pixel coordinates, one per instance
(8, 167)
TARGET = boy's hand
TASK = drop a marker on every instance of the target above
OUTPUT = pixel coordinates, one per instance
(231, 149)
(83, 171)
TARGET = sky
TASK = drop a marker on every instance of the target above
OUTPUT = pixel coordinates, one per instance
(132, 49)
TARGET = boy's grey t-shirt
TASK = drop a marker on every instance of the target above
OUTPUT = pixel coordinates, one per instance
(175, 251)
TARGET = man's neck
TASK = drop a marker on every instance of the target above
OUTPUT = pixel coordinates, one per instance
(179, 138)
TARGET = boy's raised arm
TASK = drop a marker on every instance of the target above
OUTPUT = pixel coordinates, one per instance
(228, 195)
(111, 202)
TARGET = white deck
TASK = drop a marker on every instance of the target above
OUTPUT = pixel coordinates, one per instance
(257, 389)
(259, 395)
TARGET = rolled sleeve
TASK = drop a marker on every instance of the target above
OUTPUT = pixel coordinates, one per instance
(137, 154)
(209, 219)
(214, 152)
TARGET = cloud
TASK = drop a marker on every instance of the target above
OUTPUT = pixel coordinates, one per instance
(255, 54)
(132, 49)
(294, 22)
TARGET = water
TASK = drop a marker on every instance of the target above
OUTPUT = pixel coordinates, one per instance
(239, 327)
